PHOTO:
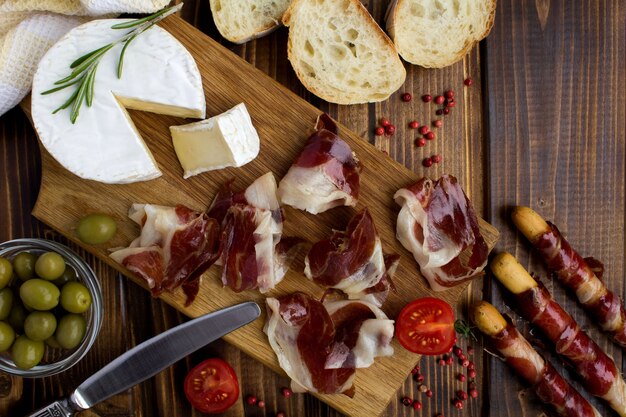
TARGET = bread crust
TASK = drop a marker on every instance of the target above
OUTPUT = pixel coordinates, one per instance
(260, 32)
(392, 18)
(381, 35)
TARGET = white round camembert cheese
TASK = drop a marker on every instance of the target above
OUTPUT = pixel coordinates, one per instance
(159, 75)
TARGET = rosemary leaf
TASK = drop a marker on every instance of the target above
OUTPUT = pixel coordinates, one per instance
(84, 65)
(78, 101)
(61, 87)
(84, 57)
(69, 101)
(162, 14)
(91, 78)
(121, 61)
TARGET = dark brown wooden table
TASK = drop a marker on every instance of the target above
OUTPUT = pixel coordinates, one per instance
(543, 125)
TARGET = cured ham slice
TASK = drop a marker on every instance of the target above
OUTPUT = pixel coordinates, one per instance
(319, 345)
(325, 174)
(597, 371)
(352, 261)
(582, 276)
(437, 223)
(252, 224)
(548, 384)
(175, 247)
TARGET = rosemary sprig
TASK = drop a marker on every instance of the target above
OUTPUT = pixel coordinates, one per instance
(83, 72)
(464, 329)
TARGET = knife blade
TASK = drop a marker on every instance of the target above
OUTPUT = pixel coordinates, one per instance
(151, 357)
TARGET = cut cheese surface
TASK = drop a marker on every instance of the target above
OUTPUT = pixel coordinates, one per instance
(226, 140)
(159, 75)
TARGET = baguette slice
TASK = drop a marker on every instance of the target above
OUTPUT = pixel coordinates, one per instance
(339, 52)
(438, 33)
(242, 20)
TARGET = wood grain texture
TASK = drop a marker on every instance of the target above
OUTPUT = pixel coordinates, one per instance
(556, 123)
(461, 142)
(284, 122)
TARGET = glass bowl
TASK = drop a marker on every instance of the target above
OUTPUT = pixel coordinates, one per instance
(58, 360)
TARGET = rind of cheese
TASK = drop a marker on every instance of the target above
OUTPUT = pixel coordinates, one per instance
(159, 76)
(226, 140)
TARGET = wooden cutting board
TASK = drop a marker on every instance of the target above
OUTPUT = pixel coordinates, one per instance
(284, 121)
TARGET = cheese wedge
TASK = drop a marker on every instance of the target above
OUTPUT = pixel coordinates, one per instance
(225, 140)
(159, 76)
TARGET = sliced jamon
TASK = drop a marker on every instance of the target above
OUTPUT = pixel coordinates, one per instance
(175, 247)
(437, 223)
(352, 261)
(319, 345)
(325, 174)
(252, 225)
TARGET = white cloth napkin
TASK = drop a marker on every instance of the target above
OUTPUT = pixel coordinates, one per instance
(28, 28)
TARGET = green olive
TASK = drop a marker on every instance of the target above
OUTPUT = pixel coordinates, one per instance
(6, 302)
(96, 229)
(70, 331)
(6, 272)
(7, 336)
(26, 353)
(40, 325)
(52, 342)
(75, 297)
(24, 265)
(68, 275)
(50, 266)
(17, 315)
(39, 294)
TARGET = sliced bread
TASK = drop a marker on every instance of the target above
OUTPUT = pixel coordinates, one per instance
(242, 20)
(339, 52)
(438, 33)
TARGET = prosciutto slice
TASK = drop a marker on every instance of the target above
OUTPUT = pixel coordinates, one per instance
(437, 223)
(252, 255)
(319, 345)
(175, 247)
(325, 174)
(549, 385)
(597, 371)
(352, 261)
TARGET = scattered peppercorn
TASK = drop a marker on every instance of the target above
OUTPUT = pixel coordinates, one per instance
(450, 103)
(423, 130)
(462, 395)
(385, 122)
(441, 362)
(426, 98)
(406, 97)
(437, 158)
(462, 357)
(406, 401)
(415, 370)
(461, 377)
(390, 130)
(471, 365)
(465, 363)
(449, 94)
(251, 399)
(281, 414)
(429, 393)
(420, 142)
(439, 112)
(261, 404)
(419, 377)
(379, 131)
(438, 123)
(457, 351)
(427, 162)
(473, 393)
(471, 373)
(414, 124)
(468, 82)
(422, 388)
(470, 350)
(430, 135)
(417, 405)
(286, 392)
(445, 111)
(439, 99)
(450, 360)
(458, 404)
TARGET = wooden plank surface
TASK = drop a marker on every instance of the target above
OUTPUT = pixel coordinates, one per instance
(553, 138)
(556, 123)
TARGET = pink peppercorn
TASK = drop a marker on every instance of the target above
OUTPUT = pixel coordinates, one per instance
(419, 377)
(473, 393)
(286, 392)
(462, 395)
(430, 135)
(439, 112)
(441, 362)
(449, 94)
(439, 99)
(251, 399)
(458, 404)
(429, 393)
(426, 98)
(406, 97)
(450, 360)
(471, 365)
(468, 82)
(415, 370)
(427, 162)
(414, 124)
(406, 401)
(423, 130)
(385, 122)
(457, 351)
(465, 363)
(417, 405)
(379, 131)
(471, 373)
(450, 103)
(438, 123)
(420, 142)
(261, 404)
(390, 130)
(462, 357)
(437, 158)
(281, 414)
(445, 111)
(470, 350)
(461, 377)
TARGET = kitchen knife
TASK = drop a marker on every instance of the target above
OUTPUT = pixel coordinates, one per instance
(151, 357)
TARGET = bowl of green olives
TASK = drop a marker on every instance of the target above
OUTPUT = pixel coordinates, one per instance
(50, 307)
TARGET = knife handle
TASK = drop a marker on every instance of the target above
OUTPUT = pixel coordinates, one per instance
(61, 408)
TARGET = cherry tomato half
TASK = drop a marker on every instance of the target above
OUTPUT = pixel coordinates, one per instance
(212, 386)
(426, 326)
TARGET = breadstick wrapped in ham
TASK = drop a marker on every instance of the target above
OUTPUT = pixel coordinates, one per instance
(549, 385)
(597, 371)
(575, 272)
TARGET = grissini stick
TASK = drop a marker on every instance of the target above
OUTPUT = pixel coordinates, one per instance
(597, 371)
(574, 272)
(549, 385)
